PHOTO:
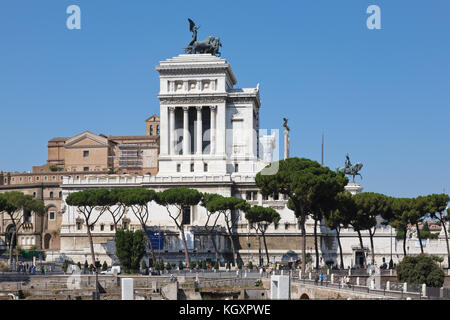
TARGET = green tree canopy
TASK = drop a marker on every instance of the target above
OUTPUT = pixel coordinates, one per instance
(227, 206)
(92, 203)
(179, 198)
(420, 269)
(260, 218)
(138, 200)
(437, 207)
(306, 183)
(341, 217)
(17, 205)
(370, 206)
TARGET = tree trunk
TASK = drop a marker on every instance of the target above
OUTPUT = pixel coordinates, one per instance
(211, 235)
(91, 244)
(183, 238)
(259, 251)
(265, 246)
(418, 236)
(230, 236)
(446, 242)
(340, 248)
(302, 227)
(372, 248)
(362, 248)
(11, 247)
(316, 247)
(151, 245)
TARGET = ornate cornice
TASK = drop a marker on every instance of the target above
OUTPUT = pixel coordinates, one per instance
(191, 100)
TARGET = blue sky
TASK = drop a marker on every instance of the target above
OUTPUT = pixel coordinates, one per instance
(383, 96)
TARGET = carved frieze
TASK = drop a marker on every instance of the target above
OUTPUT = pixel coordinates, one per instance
(191, 100)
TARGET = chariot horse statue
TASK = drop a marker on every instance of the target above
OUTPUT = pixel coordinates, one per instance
(352, 170)
(209, 45)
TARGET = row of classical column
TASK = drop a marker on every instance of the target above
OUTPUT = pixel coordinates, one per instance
(186, 137)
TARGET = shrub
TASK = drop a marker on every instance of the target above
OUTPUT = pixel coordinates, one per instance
(143, 265)
(4, 267)
(216, 265)
(400, 235)
(168, 266)
(204, 266)
(250, 265)
(239, 265)
(161, 265)
(180, 265)
(66, 264)
(104, 266)
(420, 269)
(91, 267)
(192, 264)
(130, 248)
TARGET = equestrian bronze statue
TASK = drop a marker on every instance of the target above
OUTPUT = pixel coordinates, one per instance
(352, 170)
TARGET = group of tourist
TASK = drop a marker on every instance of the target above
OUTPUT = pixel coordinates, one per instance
(30, 269)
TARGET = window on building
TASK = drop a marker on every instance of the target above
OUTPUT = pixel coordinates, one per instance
(286, 226)
(236, 167)
(34, 194)
(111, 227)
(125, 225)
(92, 227)
(205, 167)
(192, 167)
(285, 197)
(78, 225)
(51, 194)
(186, 215)
(178, 167)
(265, 197)
(20, 179)
(45, 178)
(275, 226)
(276, 196)
(86, 153)
(51, 215)
(27, 216)
(255, 195)
(157, 130)
(85, 168)
(29, 179)
(54, 178)
(13, 179)
(248, 195)
(151, 130)
(102, 227)
(60, 194)
(38, 178)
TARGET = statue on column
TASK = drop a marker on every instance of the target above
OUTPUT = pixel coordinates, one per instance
(286, 138)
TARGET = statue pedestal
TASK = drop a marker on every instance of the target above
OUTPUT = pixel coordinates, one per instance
(354, 188)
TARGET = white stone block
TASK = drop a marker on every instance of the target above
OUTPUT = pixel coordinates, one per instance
(280, 287)
(127, 285)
